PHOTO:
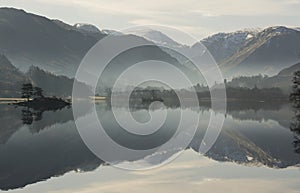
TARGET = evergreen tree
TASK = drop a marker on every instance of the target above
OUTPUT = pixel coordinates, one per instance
(38, 92)
(27, 91)
(295, 95)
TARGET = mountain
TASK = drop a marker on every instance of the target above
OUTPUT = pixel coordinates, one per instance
(244, 52)
(282, 80)
(29, 39)
(57, 47)
(220, 45)
(288, 72)
(224, 45)
(150, 53)
(111, 32)
(169, 45)
(53, 85)
(268, 52)
(86, 28)
(157, 37)
(54, 46)
(11, 78)
(182, 53)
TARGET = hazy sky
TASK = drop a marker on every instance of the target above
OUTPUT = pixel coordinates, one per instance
(197, 17)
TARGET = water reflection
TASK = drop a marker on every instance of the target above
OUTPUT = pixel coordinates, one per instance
(49, 145)
(295, 124)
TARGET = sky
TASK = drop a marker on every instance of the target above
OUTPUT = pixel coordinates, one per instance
(199, 18)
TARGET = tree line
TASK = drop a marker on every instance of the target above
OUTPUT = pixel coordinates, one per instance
(29, 91)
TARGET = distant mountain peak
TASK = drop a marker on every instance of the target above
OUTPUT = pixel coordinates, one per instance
(4, 59)
(84, 27)
(111, 32)
(156, 37)
(297, 28)
(272, 49)
(222, 45)
(243, 32)
(278, 30)
(12, 9)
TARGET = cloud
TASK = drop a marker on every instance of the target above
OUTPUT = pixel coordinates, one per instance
(198, 17)
(219, 7)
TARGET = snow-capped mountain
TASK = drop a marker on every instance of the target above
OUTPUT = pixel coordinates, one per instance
(60, 47)
(183, 53)
(83, 27)
(223, 45)
(179, 51)
(157, 37)
(268, 52)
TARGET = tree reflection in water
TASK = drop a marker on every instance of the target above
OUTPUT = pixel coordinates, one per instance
(30, 115)
(295, 99)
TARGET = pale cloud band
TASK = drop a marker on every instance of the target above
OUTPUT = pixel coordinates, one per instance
(198, 17)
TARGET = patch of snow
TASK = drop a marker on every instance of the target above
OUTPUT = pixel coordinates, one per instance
(86, 28)
(249, 158)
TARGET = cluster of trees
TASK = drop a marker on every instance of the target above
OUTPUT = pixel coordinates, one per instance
(295, 95)
(295, 99)
(28, 116)
(29, 91)
(239, 93)
(247, 81)
(259, 94)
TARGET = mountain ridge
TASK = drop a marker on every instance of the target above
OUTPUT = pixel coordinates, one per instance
(29, 39)
(272, 50)
(12, 79)
(52, 45)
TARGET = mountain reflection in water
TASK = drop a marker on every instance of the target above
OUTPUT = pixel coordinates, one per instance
(253, 135)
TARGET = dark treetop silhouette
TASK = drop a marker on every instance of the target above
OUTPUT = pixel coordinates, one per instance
(37, 103)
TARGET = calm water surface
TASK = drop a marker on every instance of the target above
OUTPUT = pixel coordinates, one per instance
(255, 152)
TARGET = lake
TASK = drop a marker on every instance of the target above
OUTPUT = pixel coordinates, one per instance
(255, 146)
